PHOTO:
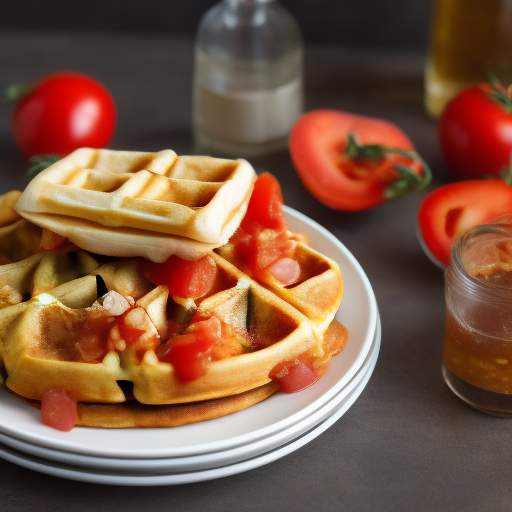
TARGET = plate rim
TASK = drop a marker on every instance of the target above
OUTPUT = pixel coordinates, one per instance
(112, 478)
(214, 459)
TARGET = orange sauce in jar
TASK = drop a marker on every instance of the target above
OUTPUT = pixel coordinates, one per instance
(478, 334)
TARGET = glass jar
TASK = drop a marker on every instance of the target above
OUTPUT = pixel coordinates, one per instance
(469, 39)
(248, 83)
(477, 362)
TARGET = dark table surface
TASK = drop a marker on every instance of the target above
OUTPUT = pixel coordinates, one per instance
(407, 443)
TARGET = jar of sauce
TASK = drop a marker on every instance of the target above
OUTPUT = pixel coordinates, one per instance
(478, 336)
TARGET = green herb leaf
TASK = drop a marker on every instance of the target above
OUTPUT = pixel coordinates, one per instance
(408, 181)
(39, 163)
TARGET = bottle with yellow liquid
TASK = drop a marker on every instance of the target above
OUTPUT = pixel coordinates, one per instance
(469, 40)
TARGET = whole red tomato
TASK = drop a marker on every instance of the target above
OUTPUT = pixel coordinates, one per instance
(475, 132)
(350, 162)
(63, 112)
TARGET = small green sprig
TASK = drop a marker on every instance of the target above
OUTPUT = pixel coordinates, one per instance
(407, 181)
(499, 94)
(39, 163)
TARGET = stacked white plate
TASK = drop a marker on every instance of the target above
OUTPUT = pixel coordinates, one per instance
(216, 448)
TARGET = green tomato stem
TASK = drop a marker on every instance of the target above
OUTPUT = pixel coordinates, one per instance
(14, 93)
(39, 163)
(407, 180)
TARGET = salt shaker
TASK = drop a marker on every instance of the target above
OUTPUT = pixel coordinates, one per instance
(248, 78)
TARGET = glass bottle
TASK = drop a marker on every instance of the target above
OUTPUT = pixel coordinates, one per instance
(469, 40)
(248, 78)
(478, 336)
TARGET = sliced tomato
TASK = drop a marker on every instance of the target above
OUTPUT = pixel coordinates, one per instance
(58, 409)
(265, 206)
(350, 162)
(294, 376)
(184, 278)
(448, 211)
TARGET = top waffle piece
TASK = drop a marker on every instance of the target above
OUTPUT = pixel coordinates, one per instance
(121, 203)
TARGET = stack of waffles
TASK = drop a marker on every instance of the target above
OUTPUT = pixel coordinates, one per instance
(71, 287)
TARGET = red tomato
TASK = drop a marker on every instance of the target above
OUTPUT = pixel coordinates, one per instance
(358, 173)
(266, 205)
(63, 112)
(294, 376)
(450, 210)
(190, 353)
(285, 270)
(58, 410)
(184, 278)
(475, 132)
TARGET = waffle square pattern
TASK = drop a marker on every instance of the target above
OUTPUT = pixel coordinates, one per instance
(125, 203)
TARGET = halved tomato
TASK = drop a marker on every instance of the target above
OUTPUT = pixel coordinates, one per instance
(351, 162)
(448, 211)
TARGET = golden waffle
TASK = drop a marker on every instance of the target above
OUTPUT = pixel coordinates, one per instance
(120, 203)
(39, 349)
(41, 273)
(19, 238)
(319, 290)
(126, 204)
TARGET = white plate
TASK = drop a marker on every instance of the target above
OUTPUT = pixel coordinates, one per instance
(210, 460)
(358, 312)
(163, 477)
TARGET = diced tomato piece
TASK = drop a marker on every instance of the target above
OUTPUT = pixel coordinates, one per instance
(294, 376)
(91, 337)
(209, 328)
(189, 354)
(245, 244)
(272, 246)
(133, 324)
(91, 348)
(266, 205)
(58, 409)
(205, 340)
(285, 270)
(184, 278)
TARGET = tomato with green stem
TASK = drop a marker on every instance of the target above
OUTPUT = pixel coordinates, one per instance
(475, 131)
(351, 162)
(62, 112)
